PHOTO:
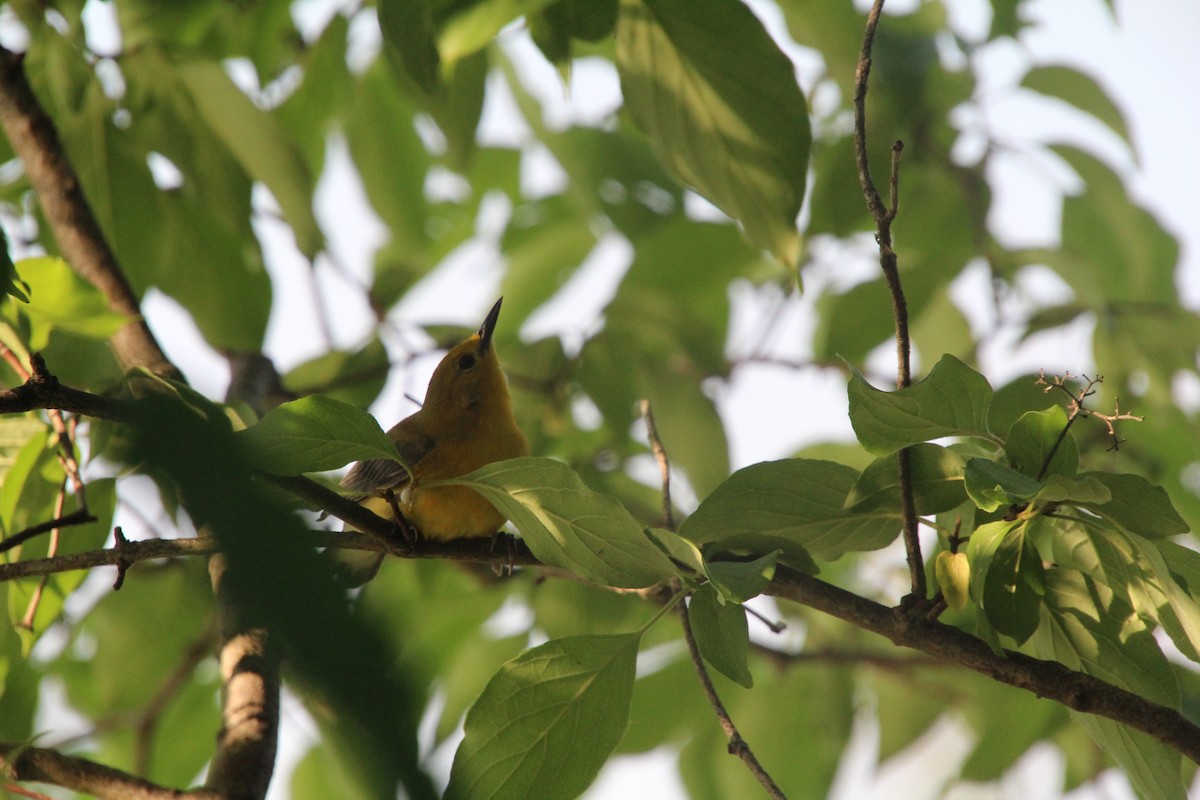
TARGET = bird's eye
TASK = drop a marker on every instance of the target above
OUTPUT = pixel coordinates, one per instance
(466, 361)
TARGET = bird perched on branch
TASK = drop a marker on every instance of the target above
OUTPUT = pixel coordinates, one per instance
(465, 422)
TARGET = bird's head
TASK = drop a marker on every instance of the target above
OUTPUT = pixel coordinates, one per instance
(469, 379)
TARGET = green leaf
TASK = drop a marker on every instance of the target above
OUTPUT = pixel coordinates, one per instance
(61, 300)
(738, 581)
(547, 721)
(1082, 91)
(408, 32)
(722, 635)
(1060, 489)
(390, 157)
(568, 525)
(354, 377)
(261, 145)
(541, 258)
(1006, 577)
(952, 401)
(728, 121)
(472, 25)
(991, 485)
(1086, 628)
(1037, 446)
(1183, 606)
(678, 549)
(937, 481)
(1112, 249)
(795, 506)
(10, 282)
(312, 434)
(1137, 506)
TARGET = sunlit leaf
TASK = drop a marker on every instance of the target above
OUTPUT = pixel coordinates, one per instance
(547, 721)
(952, 401)
(313, 434)
(568, 525)
(795, 506)
(730, 122)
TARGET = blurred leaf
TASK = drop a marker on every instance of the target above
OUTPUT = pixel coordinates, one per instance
(318, 775)
(169, 606)
(541, 258)
(313, 434)
(60, 299)
(548, 721)
(261, 145)
(722, 635)
(390, 158)
(730, 122)
(668, 705)
(952, 401)
(937, 481)
(1112, 249)
(215, 276)
(355, 377)
(1081, 91)
(568, 525)
(408, 33)
(1008, 722)
(794, 506)
(470, 26)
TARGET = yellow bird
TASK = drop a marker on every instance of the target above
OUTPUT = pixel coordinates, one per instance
(465, 423)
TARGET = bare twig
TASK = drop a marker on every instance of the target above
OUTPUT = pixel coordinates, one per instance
(664, 466)
(80, 516)
(737, 745)
(883, 216)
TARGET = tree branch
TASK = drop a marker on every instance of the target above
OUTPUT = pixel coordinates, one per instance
(883, 216)
(41, 765)
(35, 141)
(1047, 679)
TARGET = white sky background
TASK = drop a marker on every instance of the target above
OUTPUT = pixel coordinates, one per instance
(1147, 62)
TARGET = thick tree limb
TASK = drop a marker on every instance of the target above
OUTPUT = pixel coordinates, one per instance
(1047, 679)
(40, 765)
(35, 141)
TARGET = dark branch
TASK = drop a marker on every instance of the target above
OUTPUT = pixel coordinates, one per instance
(1047, 679)
(86, 777)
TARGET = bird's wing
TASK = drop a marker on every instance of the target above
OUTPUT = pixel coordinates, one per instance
(375, 475)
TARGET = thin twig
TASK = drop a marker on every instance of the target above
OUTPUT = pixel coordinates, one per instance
(883, 217)
(664, 466)
(80, 516)
(737, 745)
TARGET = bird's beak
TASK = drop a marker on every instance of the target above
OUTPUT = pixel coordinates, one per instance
(489, 325)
